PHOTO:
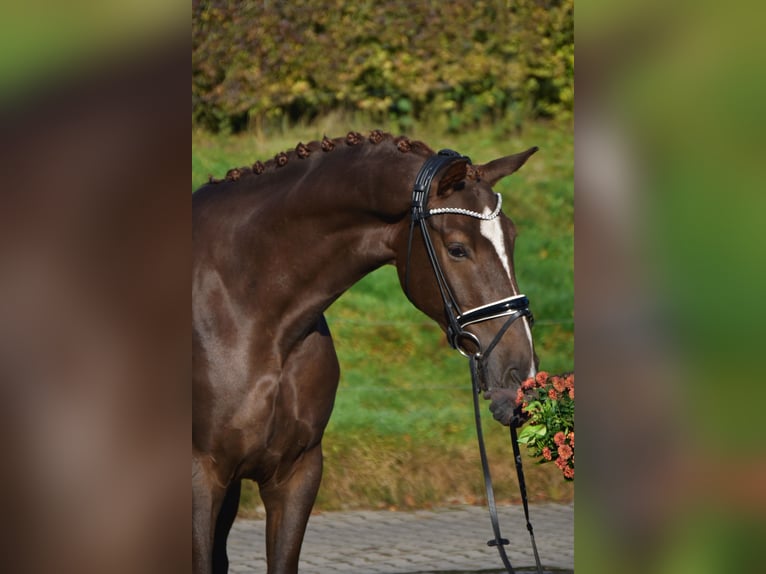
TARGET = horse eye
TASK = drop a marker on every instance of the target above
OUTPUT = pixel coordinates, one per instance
(457, 251)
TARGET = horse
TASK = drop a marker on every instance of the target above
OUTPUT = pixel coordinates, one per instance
(274, 244)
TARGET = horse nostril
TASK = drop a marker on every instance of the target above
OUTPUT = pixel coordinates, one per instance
(512, 377)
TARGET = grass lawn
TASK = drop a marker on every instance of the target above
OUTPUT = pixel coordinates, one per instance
(402, 434)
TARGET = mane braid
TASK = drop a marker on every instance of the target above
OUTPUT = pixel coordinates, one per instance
(402, 143)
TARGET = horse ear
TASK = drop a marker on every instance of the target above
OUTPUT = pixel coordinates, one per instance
(495, 170)
(454, 174)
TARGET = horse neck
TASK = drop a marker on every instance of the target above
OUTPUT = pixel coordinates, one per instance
(311, 235)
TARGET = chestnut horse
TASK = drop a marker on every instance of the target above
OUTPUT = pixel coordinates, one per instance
(274, 245)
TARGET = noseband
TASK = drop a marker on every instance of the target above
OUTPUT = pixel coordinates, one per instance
(512, 307)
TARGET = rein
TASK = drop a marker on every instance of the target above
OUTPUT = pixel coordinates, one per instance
(512, 307)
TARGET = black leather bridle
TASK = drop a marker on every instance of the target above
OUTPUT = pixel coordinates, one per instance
(513, 307)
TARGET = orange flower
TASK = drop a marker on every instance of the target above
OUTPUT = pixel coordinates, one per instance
(570, 436)
(547, 453)
(519, 396)
(558, 384)
(552, 394)
(568, 472)
(559, 438)
(528, 384)
(565, 452)
(541, 378)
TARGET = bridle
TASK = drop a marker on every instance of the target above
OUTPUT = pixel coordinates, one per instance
(513, 307)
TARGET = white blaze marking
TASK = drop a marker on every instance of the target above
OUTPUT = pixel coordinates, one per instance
(492, 229)
(532, 371)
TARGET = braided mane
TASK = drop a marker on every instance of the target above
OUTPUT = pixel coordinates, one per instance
(302, 151)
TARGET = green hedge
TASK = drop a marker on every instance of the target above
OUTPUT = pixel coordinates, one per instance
(256, 62)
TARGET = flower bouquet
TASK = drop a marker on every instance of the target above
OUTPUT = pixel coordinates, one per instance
(548, 401)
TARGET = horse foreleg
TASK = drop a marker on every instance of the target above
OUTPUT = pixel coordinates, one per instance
(288, 506)
(223, 525)
(207, 496)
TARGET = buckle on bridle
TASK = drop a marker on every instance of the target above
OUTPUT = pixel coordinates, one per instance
(457, 341)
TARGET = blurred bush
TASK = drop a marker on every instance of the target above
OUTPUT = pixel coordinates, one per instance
(255, 63)
(670, 281)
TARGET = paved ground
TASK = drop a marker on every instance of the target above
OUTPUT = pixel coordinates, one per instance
(448, 540)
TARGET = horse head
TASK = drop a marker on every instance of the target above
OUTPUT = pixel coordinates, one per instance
(459, 271)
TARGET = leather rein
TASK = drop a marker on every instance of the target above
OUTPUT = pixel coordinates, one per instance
(513, 307)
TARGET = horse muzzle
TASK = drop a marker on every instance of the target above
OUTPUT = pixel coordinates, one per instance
(504, 408)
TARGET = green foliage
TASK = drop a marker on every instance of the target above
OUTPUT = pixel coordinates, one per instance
(463, 62)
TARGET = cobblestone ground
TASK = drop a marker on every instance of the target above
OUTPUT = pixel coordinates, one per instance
(446, 540)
